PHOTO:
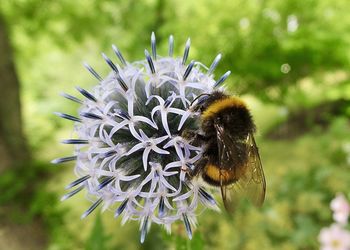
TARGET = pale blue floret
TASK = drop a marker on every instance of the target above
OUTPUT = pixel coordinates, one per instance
(148, 144)
(164, 109)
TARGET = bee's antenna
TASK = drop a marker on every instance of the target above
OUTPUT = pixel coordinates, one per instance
(195, 99)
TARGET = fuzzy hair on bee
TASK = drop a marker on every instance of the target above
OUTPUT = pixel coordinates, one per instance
(230, 159)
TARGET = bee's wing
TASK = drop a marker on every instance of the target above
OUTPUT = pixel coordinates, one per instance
(250, 177)
(253, 181)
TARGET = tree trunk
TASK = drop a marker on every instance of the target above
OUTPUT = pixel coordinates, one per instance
(13, 147)
(14, 154)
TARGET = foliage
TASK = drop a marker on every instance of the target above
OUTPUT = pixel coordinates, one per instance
(98, 239)
(24, 198)
(284, 56)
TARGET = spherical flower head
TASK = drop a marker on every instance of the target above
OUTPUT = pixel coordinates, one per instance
(334, 238)
(130, 154)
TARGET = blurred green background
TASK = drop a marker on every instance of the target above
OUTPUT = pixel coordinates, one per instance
(289, 60)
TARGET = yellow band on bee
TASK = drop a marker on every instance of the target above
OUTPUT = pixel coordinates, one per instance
(221, 105)
(216, 174)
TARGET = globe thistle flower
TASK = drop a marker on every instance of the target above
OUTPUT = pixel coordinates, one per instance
(129, 151)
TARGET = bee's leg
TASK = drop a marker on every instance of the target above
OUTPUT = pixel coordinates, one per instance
(198, 168)
(194, 137)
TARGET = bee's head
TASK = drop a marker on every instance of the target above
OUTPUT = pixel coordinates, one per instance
(203, 101)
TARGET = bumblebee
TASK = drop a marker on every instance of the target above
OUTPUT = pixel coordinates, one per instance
(230, 159)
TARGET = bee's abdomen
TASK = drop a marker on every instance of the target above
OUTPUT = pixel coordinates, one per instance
(216, 176)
